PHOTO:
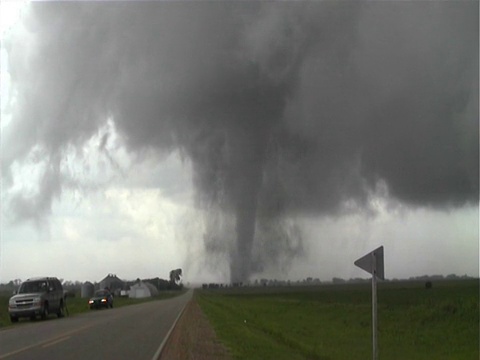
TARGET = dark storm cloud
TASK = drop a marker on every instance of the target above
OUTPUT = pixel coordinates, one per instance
(283, 108)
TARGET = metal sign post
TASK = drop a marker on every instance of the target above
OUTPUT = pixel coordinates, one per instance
(373, 264)
(374, 309)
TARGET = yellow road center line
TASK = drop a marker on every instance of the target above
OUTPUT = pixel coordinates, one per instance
(41, 343)
(56, 341)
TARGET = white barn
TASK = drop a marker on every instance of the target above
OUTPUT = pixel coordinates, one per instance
(142, 290)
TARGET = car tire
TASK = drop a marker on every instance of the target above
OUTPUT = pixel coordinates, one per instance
(13, 319)
(45, 312)
(60, 312)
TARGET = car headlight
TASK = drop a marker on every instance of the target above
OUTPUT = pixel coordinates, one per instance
(11, 302)
(90, 301)
(104, 300)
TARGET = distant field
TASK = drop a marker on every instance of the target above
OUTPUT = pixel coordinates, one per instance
(78, 305)
(334, 321)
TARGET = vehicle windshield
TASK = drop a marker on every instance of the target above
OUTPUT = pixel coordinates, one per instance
(101, 293)
(33, 287)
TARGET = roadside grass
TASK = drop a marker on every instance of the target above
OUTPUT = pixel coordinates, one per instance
(334, 321)
(77, 305)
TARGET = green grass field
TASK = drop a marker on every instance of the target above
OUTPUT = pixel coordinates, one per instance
(334, 321)
(77, 305)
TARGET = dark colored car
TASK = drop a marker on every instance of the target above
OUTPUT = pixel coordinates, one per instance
(101, 298)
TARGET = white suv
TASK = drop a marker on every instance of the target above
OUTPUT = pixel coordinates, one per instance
(37, 296)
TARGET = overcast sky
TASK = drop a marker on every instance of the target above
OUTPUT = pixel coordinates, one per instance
(239, 140)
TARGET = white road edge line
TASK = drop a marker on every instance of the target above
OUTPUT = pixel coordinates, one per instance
(160, 348)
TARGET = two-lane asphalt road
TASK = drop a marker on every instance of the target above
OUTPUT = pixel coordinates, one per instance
(130, 332)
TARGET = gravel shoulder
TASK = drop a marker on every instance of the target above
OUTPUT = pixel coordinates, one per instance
(193, 338)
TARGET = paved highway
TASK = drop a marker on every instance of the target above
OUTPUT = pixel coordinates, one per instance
(130, 332)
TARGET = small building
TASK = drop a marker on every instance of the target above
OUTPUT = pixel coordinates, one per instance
(87, 290)
(142, 290)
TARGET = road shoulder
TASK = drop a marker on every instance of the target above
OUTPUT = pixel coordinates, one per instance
(193, 337)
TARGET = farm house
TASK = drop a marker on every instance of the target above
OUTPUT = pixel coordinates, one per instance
(112, 282)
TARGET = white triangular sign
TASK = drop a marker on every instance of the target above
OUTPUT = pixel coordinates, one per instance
(372, 263)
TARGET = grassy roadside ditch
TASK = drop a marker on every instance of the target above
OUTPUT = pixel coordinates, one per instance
(77, 305)
(334, 321)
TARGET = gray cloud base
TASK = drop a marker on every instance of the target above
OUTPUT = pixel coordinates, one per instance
(283, 108)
